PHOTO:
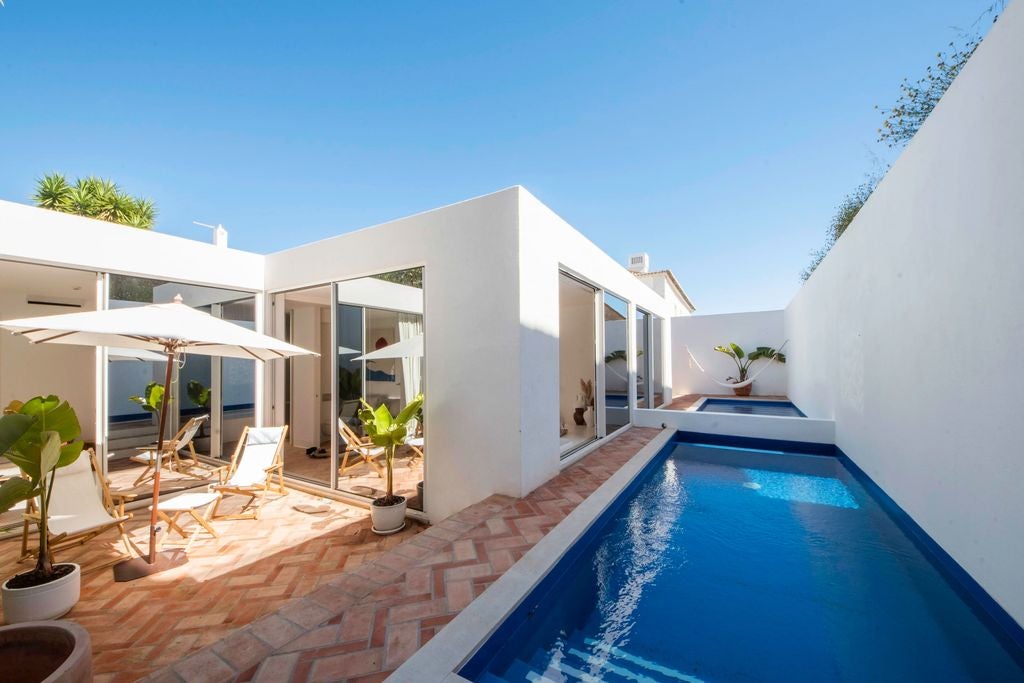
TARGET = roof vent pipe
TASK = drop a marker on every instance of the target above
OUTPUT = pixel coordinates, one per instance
(220, 235)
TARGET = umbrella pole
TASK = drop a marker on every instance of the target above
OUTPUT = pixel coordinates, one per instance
(160, 454)
(137, 568)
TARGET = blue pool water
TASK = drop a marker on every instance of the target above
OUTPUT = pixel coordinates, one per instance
(750, 407)
(726, 564)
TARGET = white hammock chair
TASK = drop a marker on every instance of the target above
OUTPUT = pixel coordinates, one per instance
(744, 383)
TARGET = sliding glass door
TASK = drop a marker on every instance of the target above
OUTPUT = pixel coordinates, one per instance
(379, 340)
(643, 359)
(616, 364)
(577, 363)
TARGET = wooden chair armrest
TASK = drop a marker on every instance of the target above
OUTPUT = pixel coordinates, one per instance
(221, 472)
(31, 516)
(126, 497)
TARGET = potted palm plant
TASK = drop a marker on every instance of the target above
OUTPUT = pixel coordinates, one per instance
(39, 436)
(199, 394)
(387, 432)
(744, 361)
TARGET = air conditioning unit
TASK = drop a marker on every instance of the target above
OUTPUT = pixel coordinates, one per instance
(639, 263)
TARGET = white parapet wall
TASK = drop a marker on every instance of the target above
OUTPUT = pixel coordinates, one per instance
(801, 429)
(702, 333)
(909, 334)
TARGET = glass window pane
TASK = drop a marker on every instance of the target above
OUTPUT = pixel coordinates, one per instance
(616, 372)
(657, 367)
(643, 359)
(577, 350)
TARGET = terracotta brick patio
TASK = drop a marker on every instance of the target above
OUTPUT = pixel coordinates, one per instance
(362, 624)
(254, 569)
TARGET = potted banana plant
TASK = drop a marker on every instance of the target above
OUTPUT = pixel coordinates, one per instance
(389, 433)
(39, 436)
(744, 361)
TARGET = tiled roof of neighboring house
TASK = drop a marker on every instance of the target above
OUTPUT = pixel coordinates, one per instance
(675, 285)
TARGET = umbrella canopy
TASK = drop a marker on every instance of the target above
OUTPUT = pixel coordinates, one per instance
(155, 327)
(406, 348)
(121, 354)
(171, 328)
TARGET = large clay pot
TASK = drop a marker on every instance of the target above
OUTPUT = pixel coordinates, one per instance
(47, 651)
(388, 519)
(744, 391)
(47, 601)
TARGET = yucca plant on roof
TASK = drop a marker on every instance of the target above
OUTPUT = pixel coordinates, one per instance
(94, 197)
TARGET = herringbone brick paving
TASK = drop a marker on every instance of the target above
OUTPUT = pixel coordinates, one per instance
(254, 569)
(363, 624)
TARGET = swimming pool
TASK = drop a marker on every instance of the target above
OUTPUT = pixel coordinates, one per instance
(745, 406)
(721, 563)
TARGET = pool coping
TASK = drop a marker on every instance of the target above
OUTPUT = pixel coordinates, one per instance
(698, 406)
(442, 657)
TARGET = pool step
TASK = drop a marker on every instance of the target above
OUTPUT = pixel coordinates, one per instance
(585, 660)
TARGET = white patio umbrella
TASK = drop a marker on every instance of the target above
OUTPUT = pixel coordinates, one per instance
(170, 329)
(405, 348)
(120, 354)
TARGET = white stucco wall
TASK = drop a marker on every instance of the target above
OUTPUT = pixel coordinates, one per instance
(472, 380)
(702, 333)
(548, 244)
(49, 237)
(910, 332)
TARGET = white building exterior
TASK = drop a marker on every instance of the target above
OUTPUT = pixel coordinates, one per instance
(489, 314)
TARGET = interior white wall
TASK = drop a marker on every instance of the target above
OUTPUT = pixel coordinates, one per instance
(910, 332)
(471, 323)
(29, 370)
(702, 333)
(576, 348)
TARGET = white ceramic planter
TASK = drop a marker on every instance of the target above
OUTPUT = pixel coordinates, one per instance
(38, 603)
(388, 519)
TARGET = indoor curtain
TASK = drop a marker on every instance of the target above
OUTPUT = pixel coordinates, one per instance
(410, 325)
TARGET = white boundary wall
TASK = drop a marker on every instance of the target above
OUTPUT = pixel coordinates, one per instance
(702, 333)
(910, 332)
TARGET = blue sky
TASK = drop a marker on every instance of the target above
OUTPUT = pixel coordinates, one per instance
(716, 135)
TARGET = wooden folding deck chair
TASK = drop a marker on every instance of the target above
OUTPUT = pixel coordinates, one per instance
(171, 459)
(361, 449)
(81, 508)
(257, 460)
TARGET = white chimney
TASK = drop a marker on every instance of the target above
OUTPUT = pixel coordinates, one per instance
(639, 263)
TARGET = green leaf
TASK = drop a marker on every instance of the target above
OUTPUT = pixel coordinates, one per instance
(727, 351)
(70, 453)
(198, 393)
(410, 410)
(14, 491)
(737, 351)
(49, 453)
(382, 418)
(12, 427)
(52, 414)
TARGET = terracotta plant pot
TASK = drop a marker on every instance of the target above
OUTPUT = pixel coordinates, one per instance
(388, 519)
(744, 391)
(47, 651)
(47, 601)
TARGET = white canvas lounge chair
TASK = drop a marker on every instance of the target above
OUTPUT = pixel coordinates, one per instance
(257, 460)
(171, 459)
(81, 508)
(362, 449)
